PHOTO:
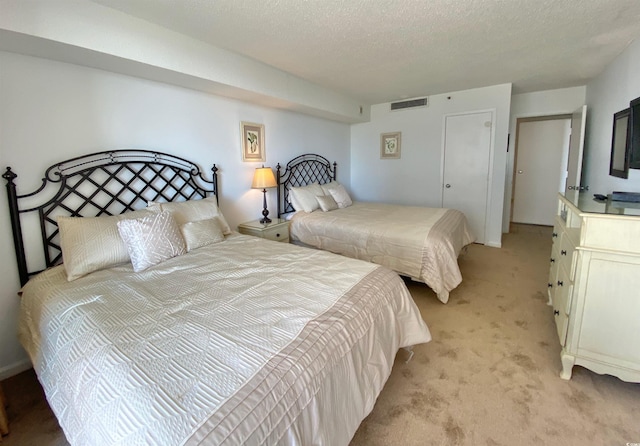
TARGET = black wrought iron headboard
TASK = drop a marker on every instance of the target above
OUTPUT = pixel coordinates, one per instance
(300, 171)
(104, 183)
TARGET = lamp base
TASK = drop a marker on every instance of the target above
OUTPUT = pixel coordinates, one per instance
(265, 211)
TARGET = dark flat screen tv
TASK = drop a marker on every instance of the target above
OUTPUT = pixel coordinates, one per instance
(620, 144)
(634, 156)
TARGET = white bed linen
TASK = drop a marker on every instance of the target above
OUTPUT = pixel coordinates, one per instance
(418, 242)
(233, 343)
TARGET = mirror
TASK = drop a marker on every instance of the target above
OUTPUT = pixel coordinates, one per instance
(620, 144)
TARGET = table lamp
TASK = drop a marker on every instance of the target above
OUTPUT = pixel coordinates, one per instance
(263, 178)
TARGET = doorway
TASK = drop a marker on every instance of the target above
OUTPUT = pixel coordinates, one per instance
(540, 168)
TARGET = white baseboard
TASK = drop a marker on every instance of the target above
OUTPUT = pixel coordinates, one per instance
(494, 244)
(15, 368)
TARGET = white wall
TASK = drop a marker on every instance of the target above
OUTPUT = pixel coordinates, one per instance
(51, 111)
(89, 34)
(607, 94)
(526, 105)
(415, 179)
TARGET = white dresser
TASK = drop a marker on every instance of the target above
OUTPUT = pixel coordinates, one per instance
(594, 285)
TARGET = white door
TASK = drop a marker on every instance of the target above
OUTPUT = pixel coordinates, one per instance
(576, 148)
(542, 148)
(467, 150)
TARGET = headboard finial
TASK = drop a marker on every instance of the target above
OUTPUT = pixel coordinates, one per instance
(9, 175)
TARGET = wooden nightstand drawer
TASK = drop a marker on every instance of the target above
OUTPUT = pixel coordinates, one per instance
(279, 233)
(277, 230)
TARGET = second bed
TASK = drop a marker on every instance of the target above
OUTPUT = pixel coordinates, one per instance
(418, 242)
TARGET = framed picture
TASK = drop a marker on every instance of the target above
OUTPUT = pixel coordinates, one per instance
(390, 145)
(252, 141)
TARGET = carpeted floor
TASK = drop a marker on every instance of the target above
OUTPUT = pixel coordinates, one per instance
(489, 377)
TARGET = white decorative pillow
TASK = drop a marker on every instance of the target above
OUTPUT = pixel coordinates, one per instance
(90, 244)
(152, 239)
(327, 203)
(154, 206)
(304, 198)
(341, 196)
(193, 210)
(328, 186)
(202, 233)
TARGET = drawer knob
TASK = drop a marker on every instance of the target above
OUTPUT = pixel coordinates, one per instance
(556, 312)
(554, 235)
(560, 283)
(550, 285)
(553, 260)
(277, 235)
(563, 252)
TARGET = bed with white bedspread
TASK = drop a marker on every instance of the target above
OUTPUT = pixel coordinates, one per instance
(232, 343)
(418, 242)
(240, 340)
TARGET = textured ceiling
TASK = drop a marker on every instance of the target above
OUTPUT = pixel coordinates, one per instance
(384, 50)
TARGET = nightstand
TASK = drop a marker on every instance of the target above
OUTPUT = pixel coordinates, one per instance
(277, 230)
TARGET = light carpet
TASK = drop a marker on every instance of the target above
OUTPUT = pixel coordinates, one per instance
(489, 377)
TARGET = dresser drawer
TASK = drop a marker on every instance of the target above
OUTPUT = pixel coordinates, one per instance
(554, 266)
(562, 303)
(565, 255)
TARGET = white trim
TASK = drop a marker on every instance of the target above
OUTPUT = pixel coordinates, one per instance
(489, 192)
(15, 368)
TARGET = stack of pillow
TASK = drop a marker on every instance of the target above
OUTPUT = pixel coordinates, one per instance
(146, 237)
(327, 197)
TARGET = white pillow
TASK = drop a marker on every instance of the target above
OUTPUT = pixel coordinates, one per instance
(152, 239)
(304, 198)
(153, 206)
(341, 196)
(90, 244)
(328, 186)
(202, 233)
(193, 210)
(327, 203)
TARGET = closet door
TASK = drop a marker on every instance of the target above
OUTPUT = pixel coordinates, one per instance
(465, 173)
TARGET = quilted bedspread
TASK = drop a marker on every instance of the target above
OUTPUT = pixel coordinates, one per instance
(418, 242)
(246, 341)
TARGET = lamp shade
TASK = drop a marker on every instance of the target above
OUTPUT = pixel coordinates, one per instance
(263, 178)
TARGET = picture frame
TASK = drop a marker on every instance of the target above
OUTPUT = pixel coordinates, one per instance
(252, 142)
(390, 145)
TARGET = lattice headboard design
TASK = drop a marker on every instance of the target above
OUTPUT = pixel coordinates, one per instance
(104, 183)
(300, 171)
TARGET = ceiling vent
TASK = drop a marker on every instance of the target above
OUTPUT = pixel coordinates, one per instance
(410, 103)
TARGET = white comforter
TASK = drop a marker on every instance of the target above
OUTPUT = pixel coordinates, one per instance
(242, 342)
(418, 242)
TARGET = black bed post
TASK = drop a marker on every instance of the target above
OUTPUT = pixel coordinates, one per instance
(214, 169)
(16, 228)
(278, 189)
(335, 171)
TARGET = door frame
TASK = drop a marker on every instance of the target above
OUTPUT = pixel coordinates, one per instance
(492, 144)
(515, 152)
